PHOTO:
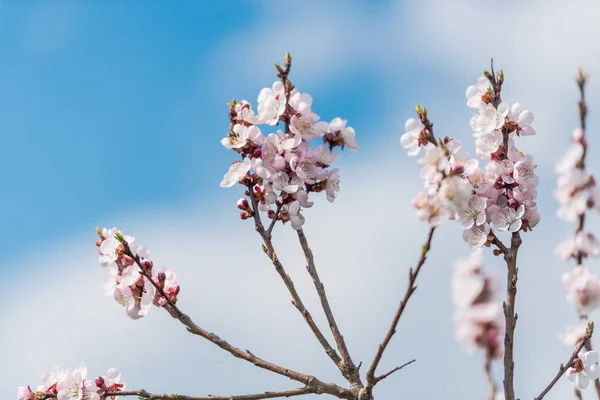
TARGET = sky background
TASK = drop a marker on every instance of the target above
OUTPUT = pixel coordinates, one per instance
(111, 114)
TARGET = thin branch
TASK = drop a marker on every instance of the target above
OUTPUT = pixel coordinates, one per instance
(296, 301)
(488, 376)
(412, 277)
(581, 81)
(563, 367)
(383, 376)
(143, 394)
(348, 367)
(311, 382)
(582, 108)
(275, 216)
(510, 316)
(501, 247)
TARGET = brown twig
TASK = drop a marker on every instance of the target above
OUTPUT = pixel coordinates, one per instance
(509, 314)
(275, 217)
(383, 376)
(581, 81)
(311, 382)
(488, 375)
(347, 367)
(143, 394)
(582, 108)
(501, 247)
(563, 367)
(296, 301)
(412, 277)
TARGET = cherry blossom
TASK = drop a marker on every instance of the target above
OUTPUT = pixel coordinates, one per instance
(477, 92)
(521, 119)
(76, 386)
(477, 236)
(134, 286)
(271, 104)
(478, 320)
(583, 244)
(584, 369)
(473, 213)
(508, 219)
(574, 333)
(570, 159)
(282, 169)
(583, 289)
(410, 139)
(488, 119)
(73, 384)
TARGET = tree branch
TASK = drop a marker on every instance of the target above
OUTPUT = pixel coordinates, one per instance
(383, 376)
(563, 368)
(501, 247)
(412, 277)
(296, 301)
(311, 382)
(347, 366)
(488, 375)
(275, 216)
(510, 316)
(143, 394)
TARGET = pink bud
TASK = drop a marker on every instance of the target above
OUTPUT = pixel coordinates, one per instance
(271, 214)
(242, 204)
(245, 215)
(161, 276)
(147, 264)
(578, 134)
(257, 153)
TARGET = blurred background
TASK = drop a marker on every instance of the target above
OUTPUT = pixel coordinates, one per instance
(111, 114)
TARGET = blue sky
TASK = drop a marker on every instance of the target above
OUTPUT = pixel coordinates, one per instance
(111, 114)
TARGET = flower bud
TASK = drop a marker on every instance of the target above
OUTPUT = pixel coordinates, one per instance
(99, 381)
(242, 204)
(162, 277)
(245, 215)
(147, 264)
(578, 134)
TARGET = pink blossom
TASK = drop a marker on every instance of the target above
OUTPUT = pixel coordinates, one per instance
(410, 139)
(476, 92)
(583, 289)
(488, 119)
(271, 104)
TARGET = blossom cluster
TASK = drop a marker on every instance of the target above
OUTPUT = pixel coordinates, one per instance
(73, 384)
(576, 192)
(282, 168)
(479, 322)
(500, 195)
(576, 189)
(585, 369)
(131, 278)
